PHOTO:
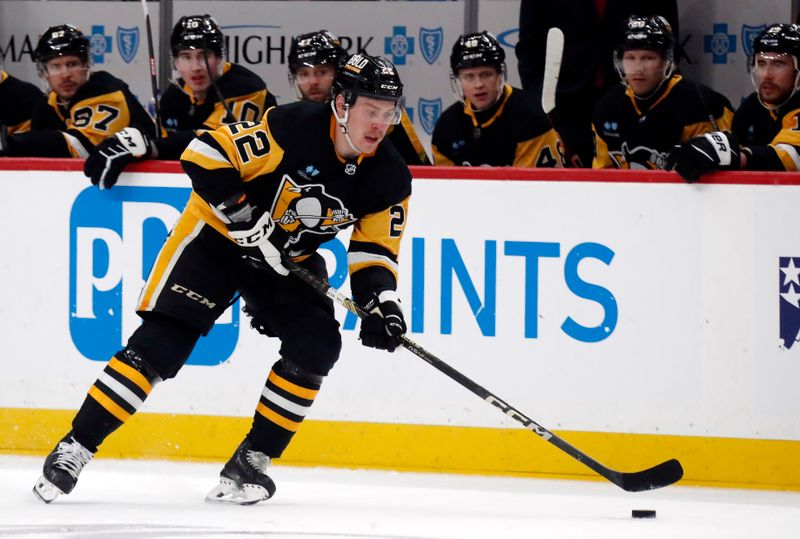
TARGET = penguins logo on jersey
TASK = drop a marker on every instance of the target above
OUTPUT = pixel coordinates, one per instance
(309, 208)
(638, 158)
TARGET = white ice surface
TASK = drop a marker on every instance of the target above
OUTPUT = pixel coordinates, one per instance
(147, 499)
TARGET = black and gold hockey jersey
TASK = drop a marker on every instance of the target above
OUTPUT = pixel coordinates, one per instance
(640, 133)
(513, 132)
(101, 107)
(183, 115)
(771, 138)
(17, 101)
(406, 142)
(287, 162)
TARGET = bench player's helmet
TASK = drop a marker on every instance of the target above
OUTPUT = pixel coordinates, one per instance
(777, 40)
(646, 33)
(197, 32)
(477, 49)
(62, 40)
(315, 48)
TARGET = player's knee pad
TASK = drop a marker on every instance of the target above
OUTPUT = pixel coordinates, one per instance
(165, 344)
(315, 345)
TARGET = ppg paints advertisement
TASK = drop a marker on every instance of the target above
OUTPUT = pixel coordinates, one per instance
(416, 36)
(603, 306)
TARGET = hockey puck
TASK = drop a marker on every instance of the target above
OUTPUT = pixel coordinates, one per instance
(643, 513)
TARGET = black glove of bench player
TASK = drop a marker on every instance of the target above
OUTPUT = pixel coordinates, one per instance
(385, 324)
(109, 158)
(261, 239)
(718, 150)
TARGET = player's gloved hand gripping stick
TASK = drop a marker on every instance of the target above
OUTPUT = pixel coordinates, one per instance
(658, 476)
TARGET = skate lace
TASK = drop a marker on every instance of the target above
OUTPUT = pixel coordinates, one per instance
(72, 457)
(257, 460)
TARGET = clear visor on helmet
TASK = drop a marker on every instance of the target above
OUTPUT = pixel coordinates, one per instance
(777, 68)
(380, 111)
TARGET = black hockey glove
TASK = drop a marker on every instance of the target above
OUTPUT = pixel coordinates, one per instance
(385, 324)
(109, 158)
(718, 150)
(261, 239)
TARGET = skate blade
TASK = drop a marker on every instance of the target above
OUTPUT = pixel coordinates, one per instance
(45, 490)
(228, 492)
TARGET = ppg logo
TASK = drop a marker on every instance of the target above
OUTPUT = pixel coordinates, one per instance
(115, 237)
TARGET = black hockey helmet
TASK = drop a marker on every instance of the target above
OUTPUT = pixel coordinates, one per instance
(652, 33)
(62, 40)
(779, 38)
(315, 48)
(369, 76)
(197, 32)
(476, 50)
(649, 33)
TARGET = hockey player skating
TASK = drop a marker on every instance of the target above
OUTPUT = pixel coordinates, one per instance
(765, 127)
(253, 185)
(209, 92)
(638, 123)
(494, 124)
(83, 108)
(312, 60)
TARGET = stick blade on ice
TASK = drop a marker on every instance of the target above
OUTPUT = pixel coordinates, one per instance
(552, 66)
(658, 476)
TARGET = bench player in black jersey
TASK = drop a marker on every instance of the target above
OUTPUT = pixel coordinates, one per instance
(766, 127)
(493, 124)
(83, 107)
(313, 58)
(638, 123)
(280, 186)
(207, 88)
(18, 99)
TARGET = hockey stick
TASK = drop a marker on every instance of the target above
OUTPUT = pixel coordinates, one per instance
(153, 73)
(552, 66)
(658, 476)
(229, 118)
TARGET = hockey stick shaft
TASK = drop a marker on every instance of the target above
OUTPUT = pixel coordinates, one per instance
(552, 66)
(153, 72)
(658, 476)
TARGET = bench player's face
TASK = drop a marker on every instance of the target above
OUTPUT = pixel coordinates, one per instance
(315, 82)
(481, 85)
(775, 75)
(66, 74)
(644, 70)
(191, 66)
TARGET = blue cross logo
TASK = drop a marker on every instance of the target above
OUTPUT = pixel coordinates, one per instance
(719, 44)
(99, 44)
(399, 45)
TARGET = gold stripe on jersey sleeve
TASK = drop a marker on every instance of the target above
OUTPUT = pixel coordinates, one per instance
(131, 374)
(22, 127)
(112, 407)
(187, 228)
(109, 114)
(725, 122)
(204, 155)
(278, 419)
(3, 75)
(529, 152)
(291, 387)
(602, 159)
(439, 159)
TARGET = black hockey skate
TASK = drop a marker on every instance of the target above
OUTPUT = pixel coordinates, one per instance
(61, 469)
(244, 479)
